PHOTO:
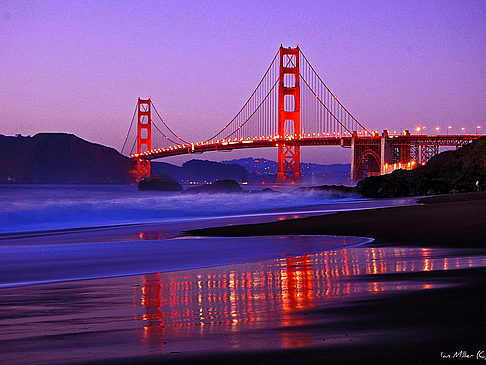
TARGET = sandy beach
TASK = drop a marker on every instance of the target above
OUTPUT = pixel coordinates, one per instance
(358, 304)
(449, 322)
(415, 295)
(421, 327)
(440, 221)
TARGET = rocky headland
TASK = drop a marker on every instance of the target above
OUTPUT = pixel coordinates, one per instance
(335, 191)
(459, 171)
(159, 182)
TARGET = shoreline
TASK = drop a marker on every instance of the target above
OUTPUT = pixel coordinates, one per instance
(366, 313)
(311, 303)
(423, 325)
(205, 253)
(440, 221)
(178, 224)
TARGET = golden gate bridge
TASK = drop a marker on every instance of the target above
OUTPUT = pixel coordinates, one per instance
(291, 107)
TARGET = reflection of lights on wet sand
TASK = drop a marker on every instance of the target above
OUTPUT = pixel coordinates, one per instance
(244, 297)
(427, 262)
(373, 261)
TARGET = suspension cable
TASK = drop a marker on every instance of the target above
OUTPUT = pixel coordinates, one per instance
(129, 129)
(249, 99)
(170, 130)
(342, 106)
(167, 137)
(256, 109)
(320, 101)
(133, 146)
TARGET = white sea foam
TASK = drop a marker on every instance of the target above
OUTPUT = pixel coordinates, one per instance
(34, 208)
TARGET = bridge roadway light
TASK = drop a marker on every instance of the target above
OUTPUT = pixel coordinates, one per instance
(478, 127)
(448, 129)
(463, 130)
(437, 129)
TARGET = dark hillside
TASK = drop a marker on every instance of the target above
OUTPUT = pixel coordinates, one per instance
(202, 171)
(59, 158)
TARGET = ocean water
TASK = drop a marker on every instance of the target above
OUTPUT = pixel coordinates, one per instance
(47, 263)
(40, 240)
(62, 233)
(28, 208)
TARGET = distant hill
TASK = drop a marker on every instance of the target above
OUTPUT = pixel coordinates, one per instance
(253, 170)
(59, 158)
(261, 167)
(201, 171)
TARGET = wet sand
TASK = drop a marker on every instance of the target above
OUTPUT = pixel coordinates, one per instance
(443, 221)
(334, 306)
(445, 321)
(394, 301)
(424, 327)
(173, 228)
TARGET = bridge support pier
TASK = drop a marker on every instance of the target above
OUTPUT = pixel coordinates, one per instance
(371, 156)
(143, 169)
(427, 151)
(365, 157)
(386, 155)
(352, 173)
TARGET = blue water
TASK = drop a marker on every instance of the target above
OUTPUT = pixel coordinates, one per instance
(35, 264)
(26, 208)
(134, 239)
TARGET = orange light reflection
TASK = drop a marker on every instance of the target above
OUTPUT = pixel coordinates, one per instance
(245, 297)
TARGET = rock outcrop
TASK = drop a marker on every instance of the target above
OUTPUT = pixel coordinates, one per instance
(335, 191)
(217, 187)
(447, 172)
(159, 183)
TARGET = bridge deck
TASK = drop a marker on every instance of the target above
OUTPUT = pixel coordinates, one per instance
(208, 146)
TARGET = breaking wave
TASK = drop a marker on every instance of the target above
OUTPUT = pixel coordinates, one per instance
(36, 208)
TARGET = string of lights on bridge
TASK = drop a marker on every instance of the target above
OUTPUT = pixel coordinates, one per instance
(420, 129)
(277, 138)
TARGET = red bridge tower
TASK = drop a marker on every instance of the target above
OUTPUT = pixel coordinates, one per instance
(144, 136)
(289, 114)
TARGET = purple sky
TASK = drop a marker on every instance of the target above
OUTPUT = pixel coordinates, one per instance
(79, 66)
